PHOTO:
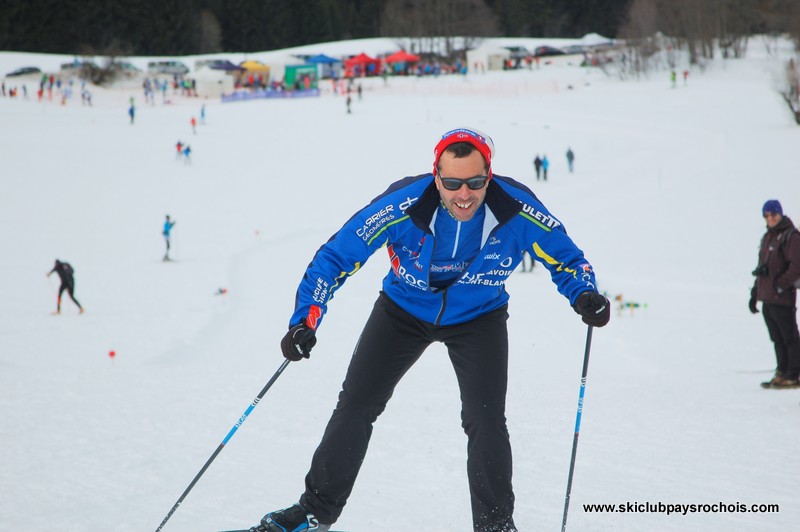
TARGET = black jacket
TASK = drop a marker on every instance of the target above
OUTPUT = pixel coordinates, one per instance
(65, 272)
(778, 265)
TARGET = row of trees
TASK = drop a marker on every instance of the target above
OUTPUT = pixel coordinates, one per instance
(704, 27)
(181, 27)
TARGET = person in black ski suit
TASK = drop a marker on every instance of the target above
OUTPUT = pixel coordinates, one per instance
(776, 274)
(67, 276)
(537, 164)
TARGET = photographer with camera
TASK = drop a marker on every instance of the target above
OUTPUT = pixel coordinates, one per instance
(777, 276)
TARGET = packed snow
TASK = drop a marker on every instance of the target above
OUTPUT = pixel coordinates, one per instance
(665, 201)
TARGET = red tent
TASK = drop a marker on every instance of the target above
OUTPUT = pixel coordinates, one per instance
(362, 65)
(361, 59)
(402, 57)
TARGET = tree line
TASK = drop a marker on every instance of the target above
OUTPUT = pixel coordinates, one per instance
(184, 27)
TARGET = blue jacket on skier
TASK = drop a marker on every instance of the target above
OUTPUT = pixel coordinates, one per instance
(406, 218)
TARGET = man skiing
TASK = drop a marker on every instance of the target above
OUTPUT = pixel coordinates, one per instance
(167, 232)
(67, 276)
(453, 237)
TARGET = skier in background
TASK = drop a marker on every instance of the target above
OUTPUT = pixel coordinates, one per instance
(178, 150)
(167, 232)
(451, 249)
(570, 159)
(67, 276)
(545, 167)
(132, 111)
(537, 164)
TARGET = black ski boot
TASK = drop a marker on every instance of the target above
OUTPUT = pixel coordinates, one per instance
(292, 519)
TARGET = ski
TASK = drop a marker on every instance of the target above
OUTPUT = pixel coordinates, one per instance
(248, 530)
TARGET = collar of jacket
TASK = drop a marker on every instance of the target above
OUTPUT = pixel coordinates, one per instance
(501, 203)
(781, 226)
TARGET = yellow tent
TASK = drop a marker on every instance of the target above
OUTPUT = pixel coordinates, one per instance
(254, 66)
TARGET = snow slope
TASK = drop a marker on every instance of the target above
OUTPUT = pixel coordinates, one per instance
(665, 200)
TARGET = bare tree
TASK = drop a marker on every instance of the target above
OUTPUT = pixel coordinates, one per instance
(638, 32)
(209, 39)
(791, 90)
(438, 27)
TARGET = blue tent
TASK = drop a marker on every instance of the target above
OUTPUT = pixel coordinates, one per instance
(224, 65)
(324, 59)
(328, 67)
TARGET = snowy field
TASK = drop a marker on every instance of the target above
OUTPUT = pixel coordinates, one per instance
(665, 201)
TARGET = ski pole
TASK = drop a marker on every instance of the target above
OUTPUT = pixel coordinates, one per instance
(221, 445)
(577, 425)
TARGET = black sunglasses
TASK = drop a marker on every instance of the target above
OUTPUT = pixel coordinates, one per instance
(474, 183)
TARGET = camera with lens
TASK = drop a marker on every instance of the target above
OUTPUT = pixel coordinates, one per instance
(761, 271)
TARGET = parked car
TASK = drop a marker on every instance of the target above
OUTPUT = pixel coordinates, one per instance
(210, 63)
(167, 67)
(124, 67)
(544, 51)
(23, 71)
(573, 49)
(75, 66)
(518, 52)
(82, 69)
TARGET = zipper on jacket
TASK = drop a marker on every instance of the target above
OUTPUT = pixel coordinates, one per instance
(441, 310)
(458, 234)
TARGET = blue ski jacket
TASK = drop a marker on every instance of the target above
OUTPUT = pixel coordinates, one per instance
(402, 220)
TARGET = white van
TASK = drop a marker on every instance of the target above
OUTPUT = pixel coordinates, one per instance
(167, 67)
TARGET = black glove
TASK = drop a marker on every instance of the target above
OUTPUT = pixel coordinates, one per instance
(753, 301)
(298, 342)
(594, 308)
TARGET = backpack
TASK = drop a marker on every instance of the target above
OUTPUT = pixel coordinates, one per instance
(781, 241)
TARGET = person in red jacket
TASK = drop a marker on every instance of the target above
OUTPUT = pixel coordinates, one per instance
(777, 273)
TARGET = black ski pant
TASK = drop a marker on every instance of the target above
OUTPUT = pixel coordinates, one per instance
(392, 341)
(70, 289)
(781, 323)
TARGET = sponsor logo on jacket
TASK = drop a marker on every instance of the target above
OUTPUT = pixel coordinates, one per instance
(377, 220)
(321, 291)
(490, 278)
(538, 216)
(401, 272)
(406, 204)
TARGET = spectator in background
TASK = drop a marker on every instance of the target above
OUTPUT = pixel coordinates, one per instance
(537, 164)
(776, 274)
(570, 159)
(545, 166)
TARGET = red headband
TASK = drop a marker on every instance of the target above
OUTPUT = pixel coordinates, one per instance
(483, 143)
